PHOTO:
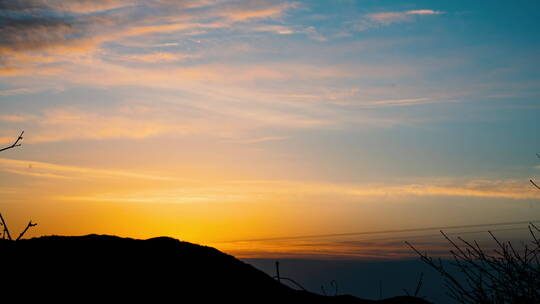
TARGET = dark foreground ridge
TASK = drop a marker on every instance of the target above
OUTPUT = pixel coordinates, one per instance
(112, 269)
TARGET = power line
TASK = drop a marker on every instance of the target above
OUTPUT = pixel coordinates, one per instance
(419, 236)
(318, 236)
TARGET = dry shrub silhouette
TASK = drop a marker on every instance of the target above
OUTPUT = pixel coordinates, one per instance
(504, 275)
(333, 284)
(5, 230)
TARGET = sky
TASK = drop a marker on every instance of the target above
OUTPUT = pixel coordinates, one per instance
(232, 122)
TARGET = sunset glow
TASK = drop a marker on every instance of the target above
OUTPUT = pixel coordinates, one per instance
(224, 121)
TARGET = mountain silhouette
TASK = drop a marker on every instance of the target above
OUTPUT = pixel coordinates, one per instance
(102, 268)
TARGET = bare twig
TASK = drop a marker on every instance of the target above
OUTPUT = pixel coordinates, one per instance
(335, 284)
(293, 282)
(280, 278)
(419, 286)
(534, 184)
(456, 290)
(30, 224)
(15, 144)
(5, 230)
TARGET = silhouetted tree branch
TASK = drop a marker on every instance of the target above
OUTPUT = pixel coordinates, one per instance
(15, 144)
(418, 286)
(279, 278)
(5, 230)
(504, 276)
(30, 225)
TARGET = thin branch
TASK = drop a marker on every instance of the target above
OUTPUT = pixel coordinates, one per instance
(334, 283)
(291, 281)
(534, 184)
(6, 230)
(419, 286)
(280, 279)
(15, 144)
(30, 224)
(277, 272)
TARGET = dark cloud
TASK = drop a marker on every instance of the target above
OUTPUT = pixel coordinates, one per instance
(28, 25)
(82, 25)
(17, 5)
(35, 33)
(37, 24)
(75, 6)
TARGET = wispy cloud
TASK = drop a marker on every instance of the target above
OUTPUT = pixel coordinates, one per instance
(400, 101)
(48, 170)
(388, 18)
(216, 120)
(386, 102)
(393, 17)
(255, 140)
(249, 189)
(69, 124)
(253, 191)
(278, 29)
(248, 10)
(18, 91)
(158, 57)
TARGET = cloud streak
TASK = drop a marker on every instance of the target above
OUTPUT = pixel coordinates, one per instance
(508, 189)
(48, 170)
(246, 190)
(393, 17)
(130, 121)
(255, 140)
(379, 19)
(72, 124)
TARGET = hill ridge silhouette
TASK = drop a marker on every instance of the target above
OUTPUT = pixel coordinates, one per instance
(159, 269)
